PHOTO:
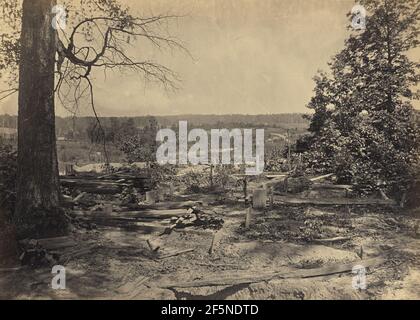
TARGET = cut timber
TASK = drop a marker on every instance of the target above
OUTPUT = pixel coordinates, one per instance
(168, 230)
(79, 197)
(127, 224)
(322, 177)
(331, 240)
(273, 176)
(141, 182)
(98, 188)
(141, 215)
(259, 199)
(383, 195)
(331, 186)
(251, 277)
(169, 205)
(146, 214)
(154, 245)
(56, 243)
(333, 201)
(192, 230)
(174, 253)
(12, 269)
(66, 201)
(84, 199)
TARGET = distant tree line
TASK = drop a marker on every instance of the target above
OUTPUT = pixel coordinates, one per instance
(79, 127)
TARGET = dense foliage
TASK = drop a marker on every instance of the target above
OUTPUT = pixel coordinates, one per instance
(8, 169)
(364, 126)
(140, 145)
(218, 177)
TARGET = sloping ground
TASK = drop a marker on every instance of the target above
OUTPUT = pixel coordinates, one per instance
(289, 252)
(406, 288)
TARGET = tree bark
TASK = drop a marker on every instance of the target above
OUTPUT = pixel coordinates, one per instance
(38, 190)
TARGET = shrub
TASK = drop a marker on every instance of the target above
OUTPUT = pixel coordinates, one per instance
(8, 172)
(161, 174)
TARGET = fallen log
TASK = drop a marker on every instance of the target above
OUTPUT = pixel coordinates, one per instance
(91, 182)
(322, 177)
(94, 185)
(273, 176)
(127, 224)
(141, 214)
(99, 189)
(168, 205)
(332, 201)
(154, 245)
(383, 194)
(219, 265)
(235, 279)
(175, 253)
(331, 240)
(14, 269)
(331, 186)
(51, 243)
(127, 176)
(168, 230)
(138, 181)
(66, 201)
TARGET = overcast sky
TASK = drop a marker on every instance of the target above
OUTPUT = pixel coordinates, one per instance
(249, 57)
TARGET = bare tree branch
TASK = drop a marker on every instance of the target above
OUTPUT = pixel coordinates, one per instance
(8, 93)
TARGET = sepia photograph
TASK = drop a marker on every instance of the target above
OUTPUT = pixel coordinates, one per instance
(240, 150)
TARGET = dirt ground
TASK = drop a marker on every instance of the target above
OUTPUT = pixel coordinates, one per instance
(284, 239)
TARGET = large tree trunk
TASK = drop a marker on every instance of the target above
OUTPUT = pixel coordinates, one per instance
(38, 190)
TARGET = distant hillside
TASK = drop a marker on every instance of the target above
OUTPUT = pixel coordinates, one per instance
(80, 125)
(266, 120)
